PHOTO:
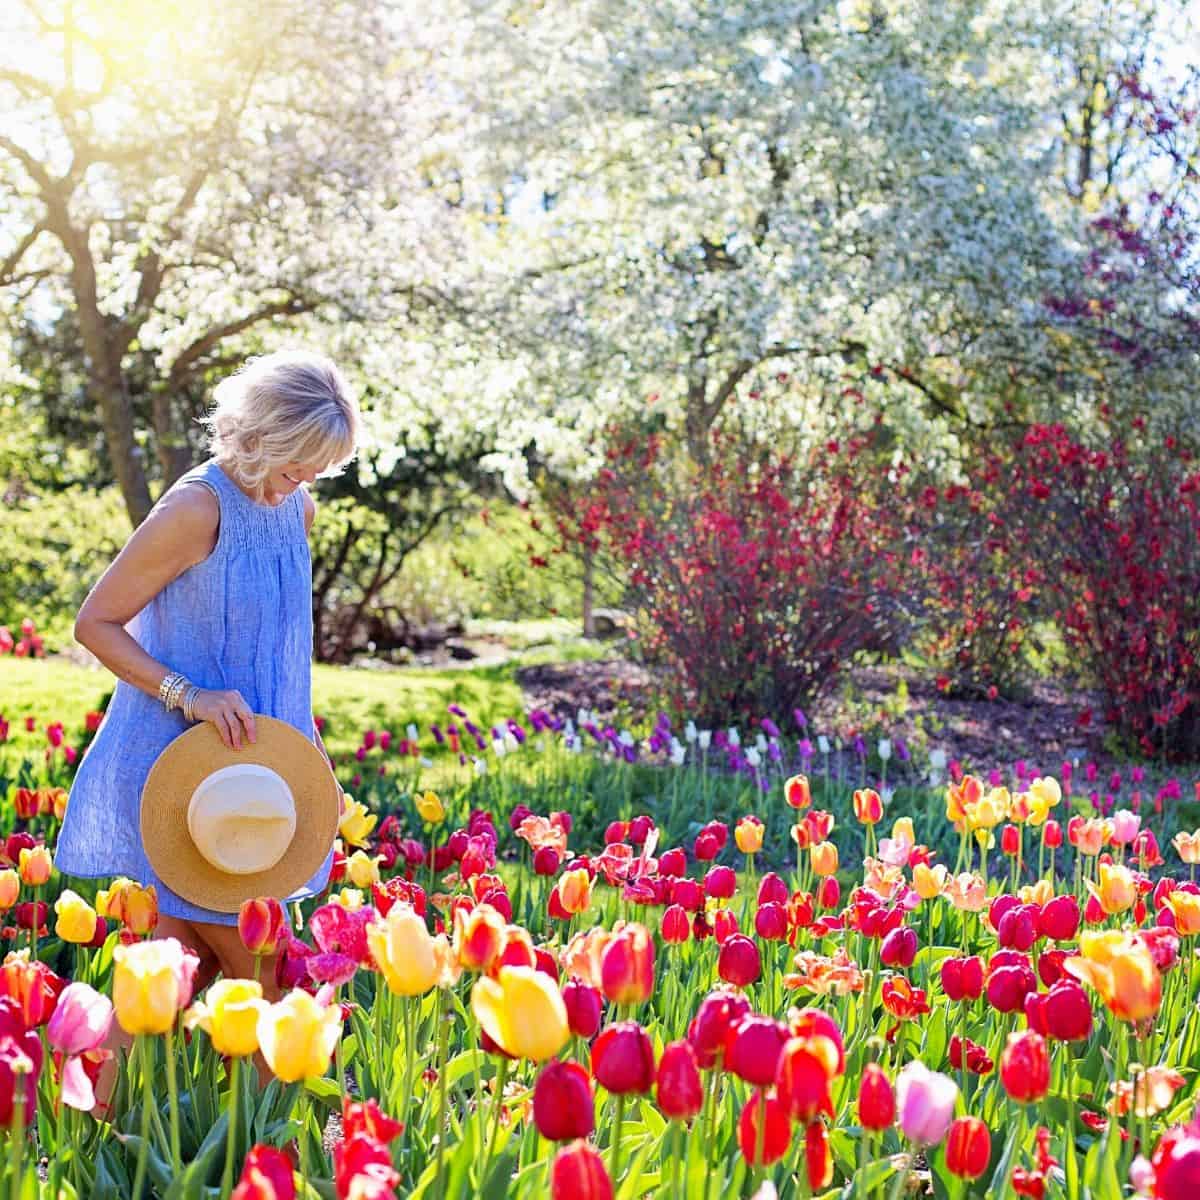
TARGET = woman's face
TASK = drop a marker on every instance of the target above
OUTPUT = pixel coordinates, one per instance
(285, 479)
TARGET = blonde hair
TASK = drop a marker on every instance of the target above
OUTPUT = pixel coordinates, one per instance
(290, 406)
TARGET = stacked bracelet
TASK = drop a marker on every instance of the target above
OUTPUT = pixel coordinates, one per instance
(176, 691)
(189, 702)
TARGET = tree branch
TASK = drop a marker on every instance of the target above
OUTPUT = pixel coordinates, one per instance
(11, 263)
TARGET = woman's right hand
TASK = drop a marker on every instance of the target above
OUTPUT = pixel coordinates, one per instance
(228, 713)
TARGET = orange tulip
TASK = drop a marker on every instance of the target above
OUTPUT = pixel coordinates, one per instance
(960, 797)
(1122, 971)
(35, 866)
(575, 891)
(478, 937)
(10, 888)
(868, 806)
(1185, 907)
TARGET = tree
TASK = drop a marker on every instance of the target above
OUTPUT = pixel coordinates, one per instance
(191, 181)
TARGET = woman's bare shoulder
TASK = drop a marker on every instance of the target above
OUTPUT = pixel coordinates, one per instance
(187, 514)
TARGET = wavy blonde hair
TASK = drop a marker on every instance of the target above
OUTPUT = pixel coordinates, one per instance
(290, 406)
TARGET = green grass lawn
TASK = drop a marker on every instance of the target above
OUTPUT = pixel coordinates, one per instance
(350, 699)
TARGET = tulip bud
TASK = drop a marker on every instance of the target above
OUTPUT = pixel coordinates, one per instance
(688, 894)
(584, 1004)
(899, 948)
(771, 923)
(675, 927)
(672, 862)
(968, 1148)
(772, 890)
(260, 925)
(1052, 835)
(739, 962)
(1018, 928)
(868, 806)
(767, 1112)
(680, 1093)
(578, 1173)
(962, 978)
(563, 1105)
(1068, 1012)
(797, 793)
(627, 965)
(1008, 985)
(720, 883)
(1059, 919)
(876, 1099)
(824, 856)
(623, 1059)
(752, 1049)
(546, 860)
(1025, 1067)
(709, 1028)
(1010, 840)
(829, 892)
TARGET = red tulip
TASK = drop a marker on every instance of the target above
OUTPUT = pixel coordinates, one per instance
(720, 882)
(1025, 1067)
(829, 892)
(876, 1099)
(968, 1148)
(1010, 840)
(710, 1027)
(546, 860)
(772, 890)
(1068, 1012)
(680, 1093)
(770, 1114)
(1052, 835)
(724, 925)
(623, 1059)
(962, 978)
(627, 966)
(688, 894)
(1035, 1012)
(1050, 966)
(584, 1004)
(563, 1105)
(1059, 920)
(672, 862)
(817, 1157)
(267, 1174)
(812, 1022)
(675, 927)
(33, 986)
(899, 948)
(771, 922)
(752, 1049)
(579, 1173)
(706, 846)
(739, 962)
(260, 925)
(1008, 985)
(1018, 928)
(797, 792)
(802, 1076)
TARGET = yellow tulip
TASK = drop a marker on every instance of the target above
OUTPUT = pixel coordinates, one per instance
(362, 869)
(1043, 795)
(748, 834)
(929, 882)
(903, 831)
(522, 1011)
(148, 985)
(356, 822)
(403, 950)
(298, 1035)
(430, 806)
(1117, 889)
(76, 918)
(1041, 892)
(989, 810)
(229, 1015)
(10, 888)
(824, 856)
(351, 899)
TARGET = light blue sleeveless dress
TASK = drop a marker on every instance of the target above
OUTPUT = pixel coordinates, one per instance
(240, 619)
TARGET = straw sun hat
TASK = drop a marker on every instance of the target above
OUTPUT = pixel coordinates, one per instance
(222, 826)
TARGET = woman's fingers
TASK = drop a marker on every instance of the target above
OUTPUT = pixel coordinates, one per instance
(225, 728)
(245, 714)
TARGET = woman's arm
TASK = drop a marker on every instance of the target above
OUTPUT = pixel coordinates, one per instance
(180, 532)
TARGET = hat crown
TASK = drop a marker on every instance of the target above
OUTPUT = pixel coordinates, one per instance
(242, 818)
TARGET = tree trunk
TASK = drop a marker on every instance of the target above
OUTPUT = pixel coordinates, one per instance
(589, 588)
(170, 445)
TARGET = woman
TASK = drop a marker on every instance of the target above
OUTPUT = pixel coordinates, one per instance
(206, 615)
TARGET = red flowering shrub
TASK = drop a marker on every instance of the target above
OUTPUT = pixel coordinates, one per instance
(758, 575)
(1117, 530)
(986, 587)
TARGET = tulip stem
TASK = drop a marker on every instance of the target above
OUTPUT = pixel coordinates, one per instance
(302, 1140)
(16, 1138)
(443, 1044)
(139, 1178)
(497, 1105)
(615, 1169)
(55, 1171)
(173, 1103)
(231, 1130)
(676, 1155)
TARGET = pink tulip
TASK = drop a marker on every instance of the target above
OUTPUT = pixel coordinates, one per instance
(926, 1102)
(79, 1026)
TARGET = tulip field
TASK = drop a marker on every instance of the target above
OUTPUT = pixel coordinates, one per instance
(559, 959)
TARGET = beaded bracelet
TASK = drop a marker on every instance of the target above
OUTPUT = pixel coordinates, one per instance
(168, 686)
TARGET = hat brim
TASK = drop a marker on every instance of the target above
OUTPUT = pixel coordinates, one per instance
(179, 770)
